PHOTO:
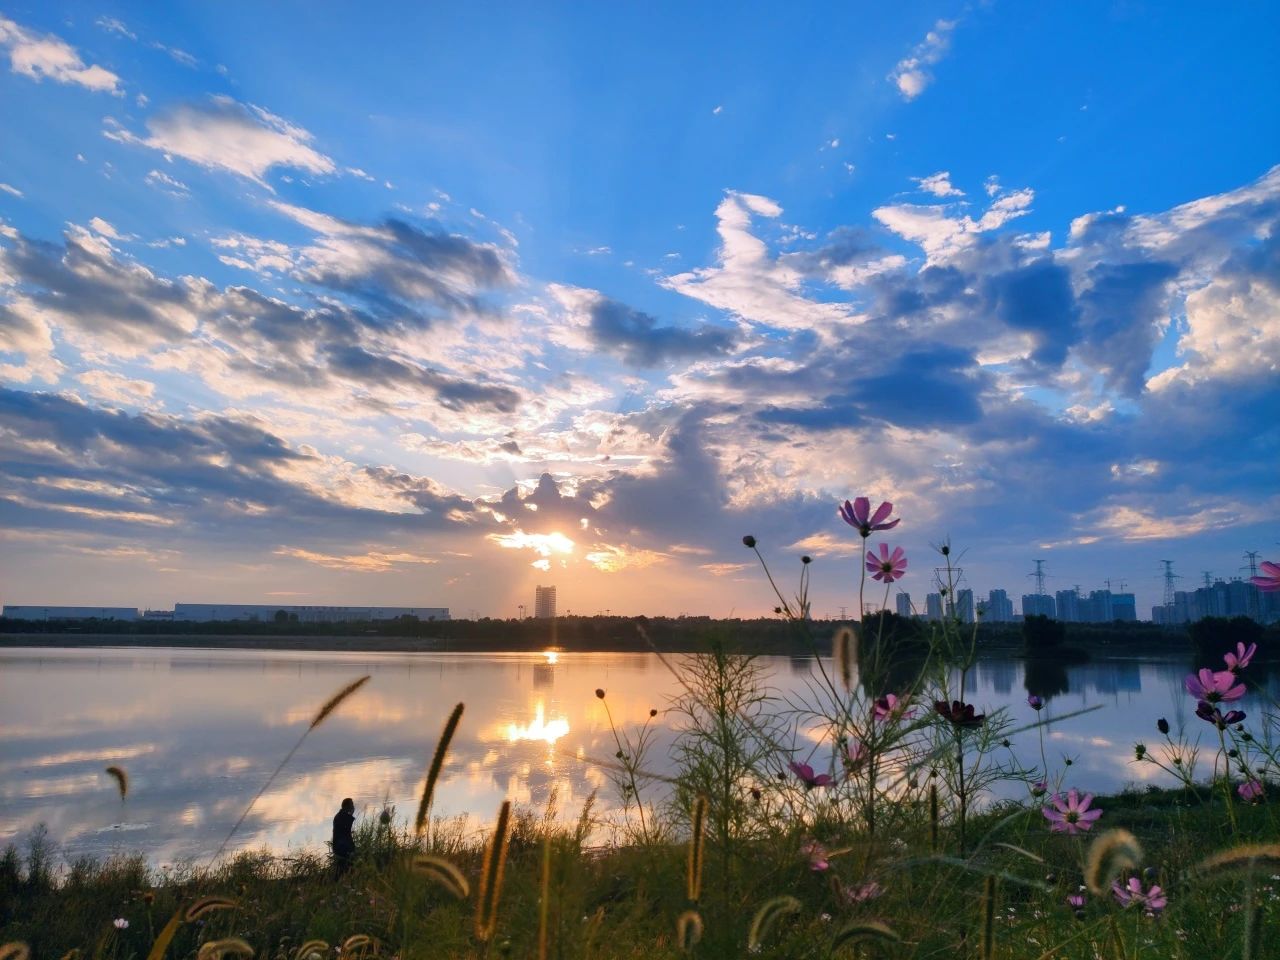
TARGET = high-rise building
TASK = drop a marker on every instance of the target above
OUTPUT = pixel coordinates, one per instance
(1038, 605)
(1068, 603)
(903, 600)
(933, 606)
(544, 603)
(999, 608)
(964, 605)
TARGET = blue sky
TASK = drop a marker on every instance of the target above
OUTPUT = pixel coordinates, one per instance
(426, 306)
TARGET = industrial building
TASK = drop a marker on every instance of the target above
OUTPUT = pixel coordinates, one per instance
(28, 612)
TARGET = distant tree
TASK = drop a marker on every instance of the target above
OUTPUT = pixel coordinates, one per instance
(281, 617)
(1214, 636)
(1041, 633)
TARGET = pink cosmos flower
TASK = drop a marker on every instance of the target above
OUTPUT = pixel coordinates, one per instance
(808, 777)
(817, 855)
(1240, 659)
(890, 707)
(1076, 901)
(1039, 788)
(856, 755)
(1250, 791)
(1214, 686)
(858, 514)
(887, 567)
(1071, 815)
(1153, 900)
(868, 891)
(1269, 582)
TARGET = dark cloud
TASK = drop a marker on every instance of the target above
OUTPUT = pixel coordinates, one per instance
(637, 338)
(1122, 311)
(1037, 299)
(454, 393)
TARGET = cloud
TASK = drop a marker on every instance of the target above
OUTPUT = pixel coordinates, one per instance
(371, 562)
(118, 389)
(636, 337)
(912, 75)
(939, 184)
(223, 134)
(41, 57)
(10, 189)
(162, 181)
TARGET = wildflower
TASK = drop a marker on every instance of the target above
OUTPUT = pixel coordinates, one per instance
(1071, 815)
(856, 755)
(1214, 685)
(858, 514)
(1035, 703)
(861, 894)
(890, 707)
(1269, 582)
(1153, 899)
(960, 714)
(887, 567)
(817, 855)
(1163, 726)
(120, 923)
(1250, 791)
(1210, 714)
(1240, 659)
(1076, 901)
(1039, 788)
(808, 777)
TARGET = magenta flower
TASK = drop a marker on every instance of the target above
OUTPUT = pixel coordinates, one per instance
(817, 855)
(1035, 703)
(858, 514)
(1076, 901)
(1072, 814)
(1039, 788)
(1269, 582)
(960, 714)
(867, 891)
(1210, 714)
(1153, 900)
(890, 707)
(1240, 659)
(808, 777)
(887, 567)
(1214, 686)
(1250, 791)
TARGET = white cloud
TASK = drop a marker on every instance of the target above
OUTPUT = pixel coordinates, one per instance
(912, 74)
(9, 188)
(943, 236)
(53, 58)
(224, 134)
(112, 25)
(162, 181)
(371, 562)
(115, 388)
(939, 184)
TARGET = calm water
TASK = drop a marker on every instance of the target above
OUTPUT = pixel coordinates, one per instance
(199, 732)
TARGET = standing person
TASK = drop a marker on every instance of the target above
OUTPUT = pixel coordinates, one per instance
(344, 844)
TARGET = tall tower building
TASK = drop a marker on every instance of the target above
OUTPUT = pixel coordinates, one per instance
(544, 603)
(903, 600)
(933, 606)
(964, 605)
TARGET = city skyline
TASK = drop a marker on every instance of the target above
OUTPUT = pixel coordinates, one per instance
(436, 306)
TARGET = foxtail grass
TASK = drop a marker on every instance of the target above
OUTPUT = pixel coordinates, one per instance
(1242, 857)
(15, 951)
(490, 890)
(188, 914)
(443, 872)
(872, 931)
(227, 947)
(844, 654)
(770, 912)
(437, 764)
(361, 942)
(321, 716)
(697, 848)
(312, 948)
(1109, 855)
(121, 778)
(688, 929)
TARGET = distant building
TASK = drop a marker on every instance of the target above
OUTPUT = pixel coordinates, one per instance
(998, 608)
(933, 606)
(1124, 607)
(964, 610)
(1039, 605)
(1068, 602)
(903, 600)
(544, 603)
(268, 613)
(13, 612)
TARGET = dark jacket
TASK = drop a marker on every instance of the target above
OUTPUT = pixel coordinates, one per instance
(343, 843)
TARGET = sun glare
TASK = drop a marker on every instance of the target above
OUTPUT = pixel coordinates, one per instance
(539, 728)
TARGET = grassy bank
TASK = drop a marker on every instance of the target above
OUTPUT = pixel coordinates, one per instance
(904, 895)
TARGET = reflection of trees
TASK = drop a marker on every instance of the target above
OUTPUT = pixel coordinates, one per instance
(892, 653)
(1045, 678)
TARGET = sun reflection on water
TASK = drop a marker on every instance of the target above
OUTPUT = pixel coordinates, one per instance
(539, 728)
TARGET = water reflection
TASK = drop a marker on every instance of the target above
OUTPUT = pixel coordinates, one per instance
(199, 732)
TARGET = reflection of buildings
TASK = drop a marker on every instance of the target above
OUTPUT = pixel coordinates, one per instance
(544, 603)
(1000, 673)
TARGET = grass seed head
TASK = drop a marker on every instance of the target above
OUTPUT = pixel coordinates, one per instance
(335, 701)
(844, 653)
(770, 912)
(495, 859)
(317, 949)
(207, 905)
(121, 778)
(1109, 855)
(15, 950)
(227, 947)
(437, 764)
(697, 842)
(443, 872)
(688, 929)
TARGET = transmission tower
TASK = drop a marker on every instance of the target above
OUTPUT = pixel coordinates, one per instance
(1039, 577)
(1252, 557)
(1169, 584)
(1208, 578)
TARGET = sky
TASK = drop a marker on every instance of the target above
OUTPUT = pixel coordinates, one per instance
(425, 305)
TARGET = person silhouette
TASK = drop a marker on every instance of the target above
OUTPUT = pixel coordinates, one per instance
(344, 844)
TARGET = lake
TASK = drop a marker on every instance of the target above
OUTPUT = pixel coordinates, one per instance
(200, 731)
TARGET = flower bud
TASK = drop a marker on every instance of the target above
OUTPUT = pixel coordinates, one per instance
(1163, 726)
(600, 692)
(749, 541)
